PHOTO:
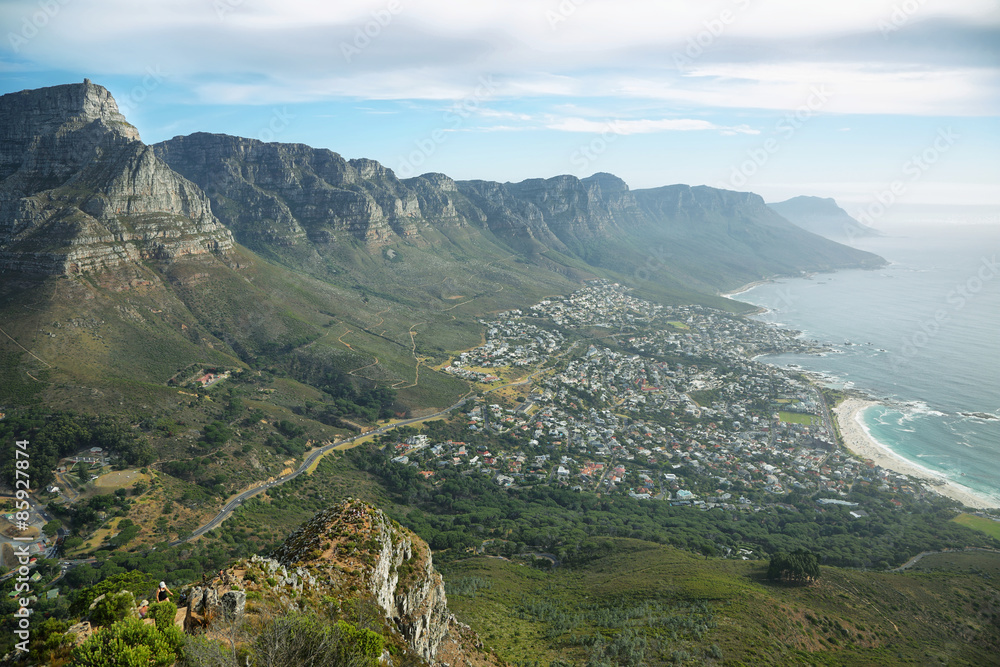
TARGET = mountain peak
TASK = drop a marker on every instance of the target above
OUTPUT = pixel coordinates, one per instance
(80, 191)
(43, 108)
(607, 182)
(828, 204)
(47, 134)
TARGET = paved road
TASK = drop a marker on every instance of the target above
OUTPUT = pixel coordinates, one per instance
(827, 419)
(234, 503)
(230, 506)
(916, 559)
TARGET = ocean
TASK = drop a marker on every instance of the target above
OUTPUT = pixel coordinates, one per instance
(921, 336)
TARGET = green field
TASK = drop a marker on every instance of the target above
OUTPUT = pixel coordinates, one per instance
(798, 418)
(982, 524)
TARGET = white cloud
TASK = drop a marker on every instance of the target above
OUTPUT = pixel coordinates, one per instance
(284, 51)
(625, 127)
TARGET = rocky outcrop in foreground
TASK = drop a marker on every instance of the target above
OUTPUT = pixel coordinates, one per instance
(354, 544)
(348, 553)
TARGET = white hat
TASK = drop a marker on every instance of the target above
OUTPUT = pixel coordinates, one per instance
(163, 584)
(145, 603)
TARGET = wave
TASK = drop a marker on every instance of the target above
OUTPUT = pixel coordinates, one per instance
(979, 416)
(862, 420)
(922, 408)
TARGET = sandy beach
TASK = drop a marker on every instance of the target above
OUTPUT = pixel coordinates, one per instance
(745, 288)
(859, 443)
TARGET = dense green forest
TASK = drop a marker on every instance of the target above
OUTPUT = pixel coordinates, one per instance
(53, 435)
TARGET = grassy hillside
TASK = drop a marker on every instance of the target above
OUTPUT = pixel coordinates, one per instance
(672, 607)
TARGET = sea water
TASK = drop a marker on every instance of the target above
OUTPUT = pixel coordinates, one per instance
(922, 336)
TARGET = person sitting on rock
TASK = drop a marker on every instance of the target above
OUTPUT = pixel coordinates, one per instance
(144, 609)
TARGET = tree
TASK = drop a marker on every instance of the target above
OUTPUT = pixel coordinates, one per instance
(217, 433)
(52, 527)
(112, 608)
(290, 429)
(799, 566)
(132, 581)
(163, 614)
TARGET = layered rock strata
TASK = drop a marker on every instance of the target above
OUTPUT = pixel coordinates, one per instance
(80, 192)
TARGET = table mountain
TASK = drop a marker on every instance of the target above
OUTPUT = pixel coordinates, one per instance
(79, 191)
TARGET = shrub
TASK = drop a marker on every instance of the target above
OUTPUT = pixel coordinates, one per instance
(112, 607)
(359, 642)
(163, 614)
(130, 642)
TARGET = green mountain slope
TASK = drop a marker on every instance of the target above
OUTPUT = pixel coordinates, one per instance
(655, 605)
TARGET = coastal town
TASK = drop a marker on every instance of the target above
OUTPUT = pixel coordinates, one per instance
(662, 403)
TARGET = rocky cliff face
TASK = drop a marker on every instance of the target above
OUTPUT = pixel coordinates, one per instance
(79, 191)
(291, 194)
(357, 545)
(352, 550)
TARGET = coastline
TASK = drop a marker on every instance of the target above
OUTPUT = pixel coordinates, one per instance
(861, 444)
(744, 288)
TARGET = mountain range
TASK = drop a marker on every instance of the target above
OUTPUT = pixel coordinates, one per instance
(219, 249)
(313, 201)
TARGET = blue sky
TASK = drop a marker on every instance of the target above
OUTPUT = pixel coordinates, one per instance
(860, 100)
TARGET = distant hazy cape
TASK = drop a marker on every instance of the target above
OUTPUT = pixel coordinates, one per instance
(824, 217)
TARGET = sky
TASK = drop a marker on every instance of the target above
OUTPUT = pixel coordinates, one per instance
(887, 106)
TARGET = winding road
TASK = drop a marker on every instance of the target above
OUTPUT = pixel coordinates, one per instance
(236, 501)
